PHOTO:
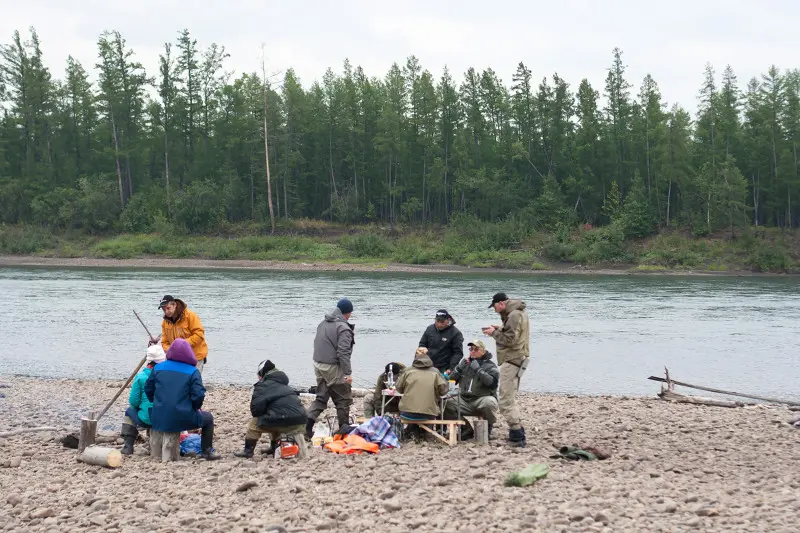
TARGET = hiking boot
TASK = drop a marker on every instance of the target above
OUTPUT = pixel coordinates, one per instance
(310, 428)
(249, 449)
(516, 438)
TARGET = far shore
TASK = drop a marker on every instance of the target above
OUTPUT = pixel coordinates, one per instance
(320, 266)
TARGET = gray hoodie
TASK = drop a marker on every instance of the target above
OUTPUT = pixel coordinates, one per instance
(333, 344)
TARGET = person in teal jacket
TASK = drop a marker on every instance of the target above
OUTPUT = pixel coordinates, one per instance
(138, 413)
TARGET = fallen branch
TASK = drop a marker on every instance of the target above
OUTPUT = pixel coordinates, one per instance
(25, 430)
(697, 400)
(672, 382)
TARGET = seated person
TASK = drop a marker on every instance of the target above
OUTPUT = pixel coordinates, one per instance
(276, 409)
(372, 400)
(422, 386)
(176, 389)
(138, 413)
(477, 377)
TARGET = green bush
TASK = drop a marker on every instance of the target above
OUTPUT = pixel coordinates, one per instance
(25, 239)
(365, 245)
(199, 208)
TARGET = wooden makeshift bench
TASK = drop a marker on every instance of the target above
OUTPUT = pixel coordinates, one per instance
(450, 424)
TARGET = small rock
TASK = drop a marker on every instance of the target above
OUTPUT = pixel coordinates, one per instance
(164, 507)
(386, 495)
(13, 500)
(602, 516)
(98, 520)
(28, 453)
(392, 506)
(576, 515)
(691, 499)
(44, 512)
(257, 522)
(14, 462)
(296, 489)
(247, 485)
(276, 528)
(140, 504)
(707, 511)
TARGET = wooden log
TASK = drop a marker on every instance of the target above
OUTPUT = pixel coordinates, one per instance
(96, 455)
(156, 440)
(481, 428)
(720, 391)
(681, 398)
(170, 447)
(88, 432)
(25, 430)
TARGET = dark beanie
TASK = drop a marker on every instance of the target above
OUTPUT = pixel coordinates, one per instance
(345, 306)
(265, 367)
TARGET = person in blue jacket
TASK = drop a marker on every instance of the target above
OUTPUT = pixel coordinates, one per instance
(138, 413)
(176, 389)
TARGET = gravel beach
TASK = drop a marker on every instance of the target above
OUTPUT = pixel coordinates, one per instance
(674, 467)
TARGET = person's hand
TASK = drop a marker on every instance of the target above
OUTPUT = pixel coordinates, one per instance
(488, 330)
(474, 365)
(348, 380)
(151, 341)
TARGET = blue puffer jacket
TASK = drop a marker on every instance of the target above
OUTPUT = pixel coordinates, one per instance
(176, 389)
(138, 399)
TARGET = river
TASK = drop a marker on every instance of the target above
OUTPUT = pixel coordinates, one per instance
(593, 335)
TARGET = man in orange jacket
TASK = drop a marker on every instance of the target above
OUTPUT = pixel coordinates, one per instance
(181, 323)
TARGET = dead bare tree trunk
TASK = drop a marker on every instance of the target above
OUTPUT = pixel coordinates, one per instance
(266, 145)
(116, 156)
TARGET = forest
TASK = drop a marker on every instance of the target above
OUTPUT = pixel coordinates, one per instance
(194, 149)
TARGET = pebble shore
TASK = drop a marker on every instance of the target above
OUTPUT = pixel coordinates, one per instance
(674, 467)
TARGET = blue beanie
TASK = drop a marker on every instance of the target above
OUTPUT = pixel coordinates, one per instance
(345, 306)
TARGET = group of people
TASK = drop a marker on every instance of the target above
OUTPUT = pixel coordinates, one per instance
(168, 394)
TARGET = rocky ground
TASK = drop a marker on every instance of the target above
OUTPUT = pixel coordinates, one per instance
(674, 467)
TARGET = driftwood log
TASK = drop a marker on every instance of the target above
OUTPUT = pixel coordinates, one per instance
(673, 396)
(165, 447)
(88, 431)
(96, 455)
(25, 430)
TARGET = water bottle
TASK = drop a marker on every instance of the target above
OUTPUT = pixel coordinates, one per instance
(391, 377)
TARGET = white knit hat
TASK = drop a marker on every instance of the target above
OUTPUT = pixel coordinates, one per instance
(155, 354)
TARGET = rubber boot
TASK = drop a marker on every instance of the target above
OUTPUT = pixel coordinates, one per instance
(206, 439)
(249, 448)
(489, 431)
(467, 433)
(310, 428)
(516, 438)
(129, 433)
(343, 417)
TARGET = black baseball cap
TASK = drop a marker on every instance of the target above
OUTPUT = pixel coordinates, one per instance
(165, 300)
(499, 297)
(442, 314)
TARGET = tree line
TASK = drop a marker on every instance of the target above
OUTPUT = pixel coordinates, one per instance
(186, 145)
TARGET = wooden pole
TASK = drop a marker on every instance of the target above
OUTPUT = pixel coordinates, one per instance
(25, 430)
(720, 391)
(95, 455)
(114, 399)
(88, 432)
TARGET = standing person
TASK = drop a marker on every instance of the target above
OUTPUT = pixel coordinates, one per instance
(181, 323)
(477, 377)
(444, 342)
(138, 414)
(176, 389)
(333, 346)
(513, 353)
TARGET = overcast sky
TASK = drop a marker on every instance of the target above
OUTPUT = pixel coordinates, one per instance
(671, 40)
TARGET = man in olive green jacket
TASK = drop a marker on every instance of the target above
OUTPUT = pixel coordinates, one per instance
(513, 353)
(422, 387)
(477, 377)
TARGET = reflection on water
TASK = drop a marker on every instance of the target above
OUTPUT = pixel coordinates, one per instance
(590, 334)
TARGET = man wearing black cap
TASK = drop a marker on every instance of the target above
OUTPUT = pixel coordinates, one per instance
(181, 323)
(333, 346)
(513, 352)
(444, 342)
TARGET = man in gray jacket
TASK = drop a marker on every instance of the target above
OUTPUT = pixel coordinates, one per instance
(477, 377)
(333, 346)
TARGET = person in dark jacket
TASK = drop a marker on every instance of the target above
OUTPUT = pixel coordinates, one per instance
(372, 400)
(276, 409)
(477, 377)
(444, 342)
(333, 346)
(176, 389)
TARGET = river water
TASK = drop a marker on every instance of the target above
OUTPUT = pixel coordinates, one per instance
(589, 334)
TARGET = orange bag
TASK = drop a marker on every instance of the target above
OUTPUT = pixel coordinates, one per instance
(351, 445)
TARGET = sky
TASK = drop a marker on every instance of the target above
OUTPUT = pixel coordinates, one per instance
(672, 41)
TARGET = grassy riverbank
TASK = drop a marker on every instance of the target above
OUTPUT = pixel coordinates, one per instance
(470, 244)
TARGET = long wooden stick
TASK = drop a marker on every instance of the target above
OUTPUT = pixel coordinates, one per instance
(145, 327)
(114, 399)
(719, 391)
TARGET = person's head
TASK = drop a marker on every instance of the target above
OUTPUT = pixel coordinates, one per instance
(169, 306)
(396, 368)
(476, 349)
(264, 367)
(442, 319)
(499, 302)
(346, 307)
(180, 350)
(155, 355)
(421, 352)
